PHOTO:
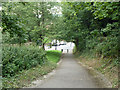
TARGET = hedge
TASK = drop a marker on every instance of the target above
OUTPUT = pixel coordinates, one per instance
(18, 58)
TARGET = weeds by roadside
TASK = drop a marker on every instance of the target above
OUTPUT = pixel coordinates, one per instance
(25, 77)
(106, 66)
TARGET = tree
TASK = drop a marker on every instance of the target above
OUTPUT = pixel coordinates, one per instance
(12, 24)
(33, 20)
(92, 26)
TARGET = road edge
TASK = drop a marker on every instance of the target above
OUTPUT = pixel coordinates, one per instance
(99, 76)
(44, 78)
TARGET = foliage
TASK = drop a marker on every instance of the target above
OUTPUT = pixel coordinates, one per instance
(12, 24)
(17, 58)
(32, 22)
(92, 27)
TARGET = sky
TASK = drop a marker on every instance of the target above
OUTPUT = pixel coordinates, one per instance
(58, 0)
(0, 8)
(56, 10)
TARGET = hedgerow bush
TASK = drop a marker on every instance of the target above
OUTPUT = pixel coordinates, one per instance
(108, 48)
(17, 58)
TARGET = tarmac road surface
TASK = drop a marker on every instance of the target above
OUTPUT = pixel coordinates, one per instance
(69, 74)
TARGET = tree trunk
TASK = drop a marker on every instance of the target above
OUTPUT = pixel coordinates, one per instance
(77, 44)
(43, 46)
(43, 20)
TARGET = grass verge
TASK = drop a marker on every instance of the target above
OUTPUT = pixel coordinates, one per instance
(106, 66)
(25, 77)
(53, 55)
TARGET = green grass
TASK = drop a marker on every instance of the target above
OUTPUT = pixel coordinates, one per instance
(53, 55)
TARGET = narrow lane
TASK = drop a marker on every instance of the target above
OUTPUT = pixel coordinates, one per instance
(69, 75)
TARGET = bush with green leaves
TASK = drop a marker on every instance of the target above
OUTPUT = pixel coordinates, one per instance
(17, 58)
